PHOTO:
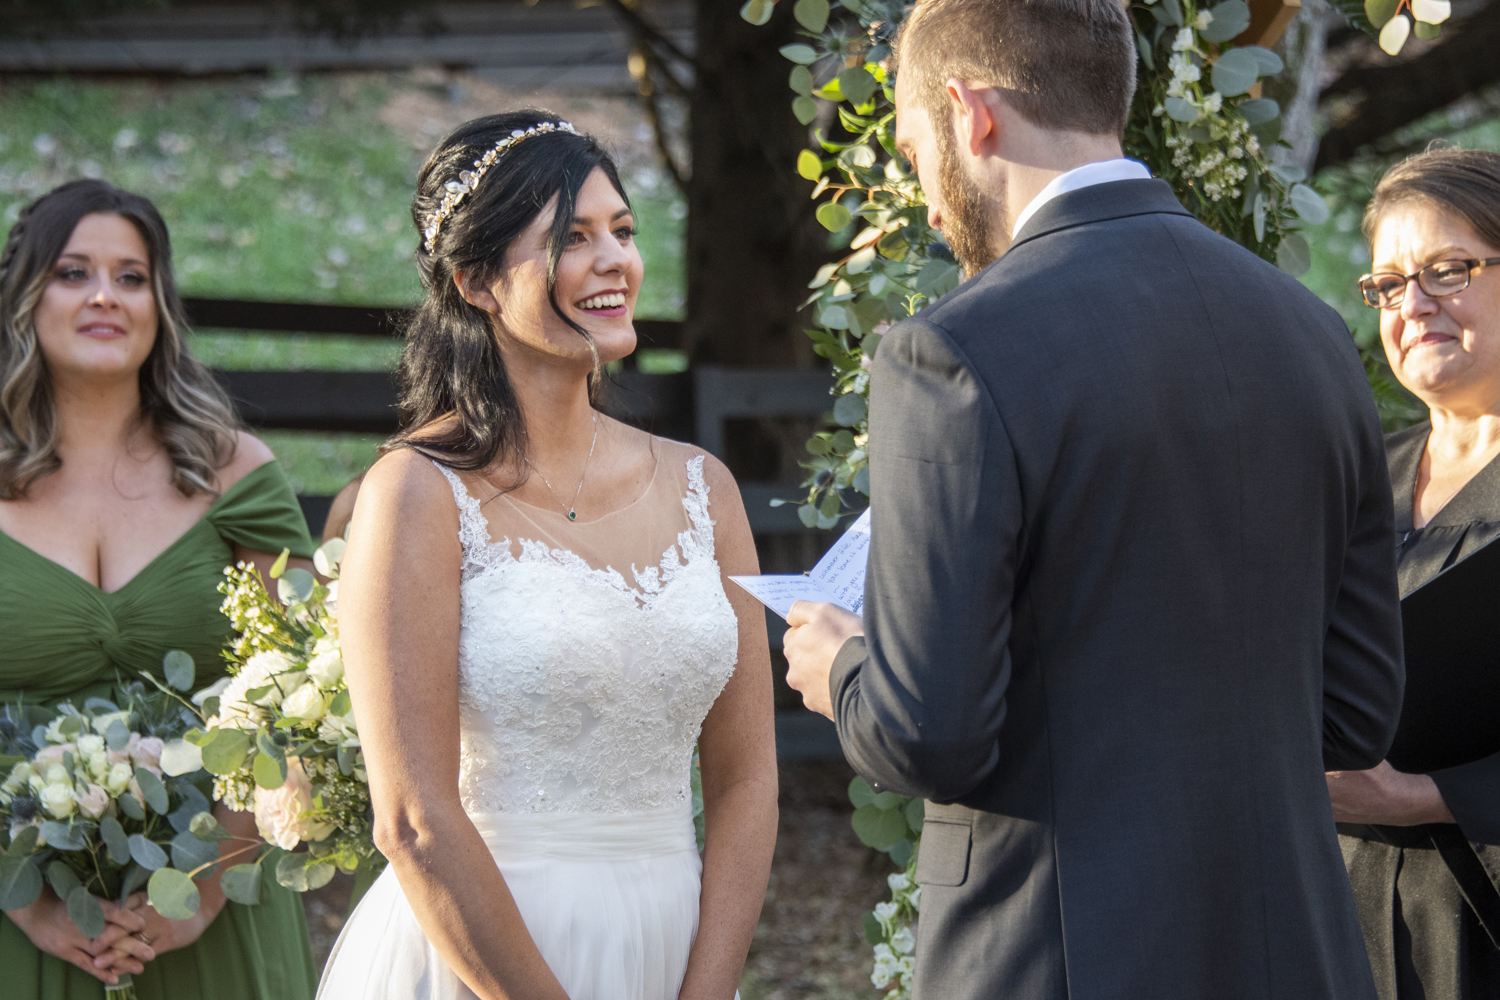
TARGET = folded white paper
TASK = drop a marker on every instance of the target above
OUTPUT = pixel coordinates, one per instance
(838, 578)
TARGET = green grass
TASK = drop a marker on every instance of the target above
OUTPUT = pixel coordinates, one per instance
(283, 190)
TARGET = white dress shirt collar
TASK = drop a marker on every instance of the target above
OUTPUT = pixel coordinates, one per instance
(1101, 172)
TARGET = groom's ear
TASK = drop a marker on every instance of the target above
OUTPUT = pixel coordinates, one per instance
(975, 118)
(476, 295)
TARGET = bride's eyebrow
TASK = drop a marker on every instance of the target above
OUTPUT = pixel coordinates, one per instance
(579, 220)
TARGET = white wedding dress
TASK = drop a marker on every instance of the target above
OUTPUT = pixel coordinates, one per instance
(581, 698)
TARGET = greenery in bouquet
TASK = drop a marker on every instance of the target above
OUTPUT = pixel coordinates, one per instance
(91, 806)
(279, 733)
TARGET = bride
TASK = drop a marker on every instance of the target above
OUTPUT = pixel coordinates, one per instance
(536, 625)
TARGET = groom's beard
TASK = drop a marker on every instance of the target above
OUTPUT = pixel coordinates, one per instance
(970, 214)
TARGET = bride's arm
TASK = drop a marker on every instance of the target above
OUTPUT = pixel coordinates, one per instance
(738, 755)
(398, 623)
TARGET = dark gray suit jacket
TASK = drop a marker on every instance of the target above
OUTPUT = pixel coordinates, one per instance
(1131, 590)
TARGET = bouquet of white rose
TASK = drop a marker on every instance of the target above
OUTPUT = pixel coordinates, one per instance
(279, 734)
(92, 805)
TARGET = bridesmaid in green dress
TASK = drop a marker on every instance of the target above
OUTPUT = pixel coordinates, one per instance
(126, 487)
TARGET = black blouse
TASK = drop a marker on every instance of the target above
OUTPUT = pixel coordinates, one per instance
(1466, 524)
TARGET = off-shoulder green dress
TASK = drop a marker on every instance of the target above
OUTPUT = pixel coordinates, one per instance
(61, 637)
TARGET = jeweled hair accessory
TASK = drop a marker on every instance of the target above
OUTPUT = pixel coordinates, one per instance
(468, 180)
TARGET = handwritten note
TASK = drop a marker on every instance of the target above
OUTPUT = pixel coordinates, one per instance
(838, 578)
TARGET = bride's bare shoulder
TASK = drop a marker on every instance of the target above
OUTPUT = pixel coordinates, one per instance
(406, 485)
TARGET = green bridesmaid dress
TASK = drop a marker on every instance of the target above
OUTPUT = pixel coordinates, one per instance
(63, 638)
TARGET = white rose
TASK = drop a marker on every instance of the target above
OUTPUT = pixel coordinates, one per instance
(17, 778)
(90, 745)
(305, 703)
(102, 722)
(118, 779)
(326, 669)
(56, 774)
(98, 766)
(54, 733)
(57, 799)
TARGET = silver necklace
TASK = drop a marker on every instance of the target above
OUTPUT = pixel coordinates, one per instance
(572, 511)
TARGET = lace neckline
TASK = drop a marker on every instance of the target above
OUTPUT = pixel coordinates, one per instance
(693, 547)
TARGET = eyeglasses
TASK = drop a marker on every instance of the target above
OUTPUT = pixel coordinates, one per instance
(1387, 290)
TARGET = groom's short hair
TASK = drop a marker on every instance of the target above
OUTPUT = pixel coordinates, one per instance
(1067, 65)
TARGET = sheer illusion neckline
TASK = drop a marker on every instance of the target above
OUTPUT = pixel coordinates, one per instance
(692, 547)
(150, 566)
(643, 494)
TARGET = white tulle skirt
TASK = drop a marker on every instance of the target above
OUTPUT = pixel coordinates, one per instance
(610, 899)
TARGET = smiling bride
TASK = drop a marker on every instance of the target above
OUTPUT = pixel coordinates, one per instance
(536, 626)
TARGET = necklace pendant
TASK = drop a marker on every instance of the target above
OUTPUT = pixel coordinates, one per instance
(572, 514)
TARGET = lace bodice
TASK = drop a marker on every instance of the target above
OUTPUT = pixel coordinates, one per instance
(577, 691)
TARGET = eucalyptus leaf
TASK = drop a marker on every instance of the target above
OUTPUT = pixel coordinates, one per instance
(857, 84)
(193, 803)
(63, 880)
(341, 705)
(147, 853)
(1268, 132)
(295, 584)
(1173, 11)
(901, 853)
(887, 800)
(1227, 20)
(189, 853)
(874, 933)
(801, 81)
(1235, 72)
(181, 757)
(805, 109)
(179, 669)
(116, 736)
(1381, 11)
(242, 884)
(858, 156)
(346, 760)
(916, 812)
(115, 841)
(861, 480)
(808, 515)
(879, 828)
(210, 707)
(799, 53)
(279, 566)
(1260, 218)
(153, 790)
(87, 914)
(131, 806)
(1288, 173)
(1425, 31)
(849, 409)
(834, 318)
(1309, 205)
(1293, 255)
(63, 836)
(135, 877)
(20, 880)
(811, 14)
(1259, 111)
(294, 872)
(860, 792)
(1143, 48)
(809, 165)
(226, 754)
(1270, 63)
(833, 216)
(208, 829)
(861, 261)
(268, 771)
(172, 894)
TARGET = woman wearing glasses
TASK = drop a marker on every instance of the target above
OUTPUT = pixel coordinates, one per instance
(1418, 845)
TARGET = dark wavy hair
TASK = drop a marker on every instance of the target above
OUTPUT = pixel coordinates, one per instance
(451, 366)
(189, 412)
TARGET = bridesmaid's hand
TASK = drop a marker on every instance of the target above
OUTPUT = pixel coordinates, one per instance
(47, 924)
(154, 934)
(1385, 796)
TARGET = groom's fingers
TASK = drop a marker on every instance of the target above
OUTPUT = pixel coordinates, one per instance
(801, 613)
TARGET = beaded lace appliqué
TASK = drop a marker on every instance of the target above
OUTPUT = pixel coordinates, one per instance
(577, 691)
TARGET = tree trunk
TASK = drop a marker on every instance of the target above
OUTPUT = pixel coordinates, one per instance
(752, 241)
(1297, 88)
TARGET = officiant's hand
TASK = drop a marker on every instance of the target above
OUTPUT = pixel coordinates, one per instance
(817, 633)
(1385, 796)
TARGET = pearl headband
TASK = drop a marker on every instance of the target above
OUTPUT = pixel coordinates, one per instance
(468, 180)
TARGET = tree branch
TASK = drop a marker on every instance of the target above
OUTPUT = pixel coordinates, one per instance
(649, 34)
(1394, 96)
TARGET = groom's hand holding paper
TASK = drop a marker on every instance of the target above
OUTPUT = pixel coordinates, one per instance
(823, 609)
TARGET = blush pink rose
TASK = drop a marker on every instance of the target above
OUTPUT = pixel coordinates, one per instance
(146, 752)
(279, 812)
(93, 802)
(52, 755)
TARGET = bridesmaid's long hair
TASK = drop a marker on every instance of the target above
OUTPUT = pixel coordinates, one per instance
(188, 411)
(451, 366)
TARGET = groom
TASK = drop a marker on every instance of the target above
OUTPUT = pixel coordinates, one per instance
(1131, 587)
